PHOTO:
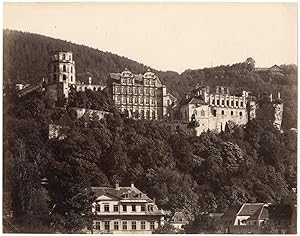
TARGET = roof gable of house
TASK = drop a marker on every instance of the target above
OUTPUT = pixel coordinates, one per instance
(129, 193)
(230, 215)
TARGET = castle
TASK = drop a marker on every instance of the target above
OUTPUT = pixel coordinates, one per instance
(145, 97)
(140, 96)
(207, 110)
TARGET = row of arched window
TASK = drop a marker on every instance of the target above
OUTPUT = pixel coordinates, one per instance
(135, 90)
(135, 100)
(55, 78)
(132, 81)
(217, 102)
(64, 68)
(62, 57)
(223, 113)
(149, 82)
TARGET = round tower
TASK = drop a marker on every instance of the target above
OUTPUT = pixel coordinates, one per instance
(61, 74)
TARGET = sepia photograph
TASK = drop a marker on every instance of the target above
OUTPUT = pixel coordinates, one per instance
(149, 117)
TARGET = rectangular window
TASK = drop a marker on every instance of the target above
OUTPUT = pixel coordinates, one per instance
(116, 208)
(106, 208)
(97, 208)
(106, 225)
(227, 102)
(223, 102)
(124, 225)
(232, 103)
(242, 104)
(232, 113)
(125, 208)
(151, 92)
(152, 225)
(215, 113)
(213, 101)
(143, 208)
(237, 103)
(116, 225)
(222, 112)
(98, 225)
(143, 224)
(133, 208)
(133, 225)
(218, 102)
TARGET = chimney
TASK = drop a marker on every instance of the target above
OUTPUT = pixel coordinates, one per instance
(217, 89)
(90, 80)
(271, 97)
(117, 186)
(132, 185)
(278, 95)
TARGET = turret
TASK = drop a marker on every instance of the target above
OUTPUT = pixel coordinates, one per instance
(61, 75)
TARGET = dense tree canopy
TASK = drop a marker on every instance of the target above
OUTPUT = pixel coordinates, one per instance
(196, 175)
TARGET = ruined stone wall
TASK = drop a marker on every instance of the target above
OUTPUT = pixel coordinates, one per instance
(89, 113)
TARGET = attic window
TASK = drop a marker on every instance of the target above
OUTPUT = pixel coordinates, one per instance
(125, 195)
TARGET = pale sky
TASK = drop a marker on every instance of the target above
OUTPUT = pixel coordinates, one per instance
(168, 36)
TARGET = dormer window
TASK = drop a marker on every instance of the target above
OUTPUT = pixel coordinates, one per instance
(64, 57)
(125, 195)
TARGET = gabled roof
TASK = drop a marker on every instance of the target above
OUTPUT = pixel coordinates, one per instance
(230, 214)
(125, 193)
(194, 100)
(275, 67)
(248, 209)
(140, 78)
(178, 217)
(260, 214)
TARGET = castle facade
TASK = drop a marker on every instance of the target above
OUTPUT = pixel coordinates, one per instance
(141, 96)
(213, 110)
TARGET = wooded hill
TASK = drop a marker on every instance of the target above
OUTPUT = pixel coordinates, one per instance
(26, 56)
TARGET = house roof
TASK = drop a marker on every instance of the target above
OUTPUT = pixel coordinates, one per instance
(248, 209)
(260, 214)
(275, 67)
(140, 78)
(122, 193)
(194, 100)
(178, 216)
(230, 214)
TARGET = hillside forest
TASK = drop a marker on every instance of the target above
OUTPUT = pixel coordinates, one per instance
(26, 58)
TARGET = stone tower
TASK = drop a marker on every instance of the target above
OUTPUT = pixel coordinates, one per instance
(61, 75)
